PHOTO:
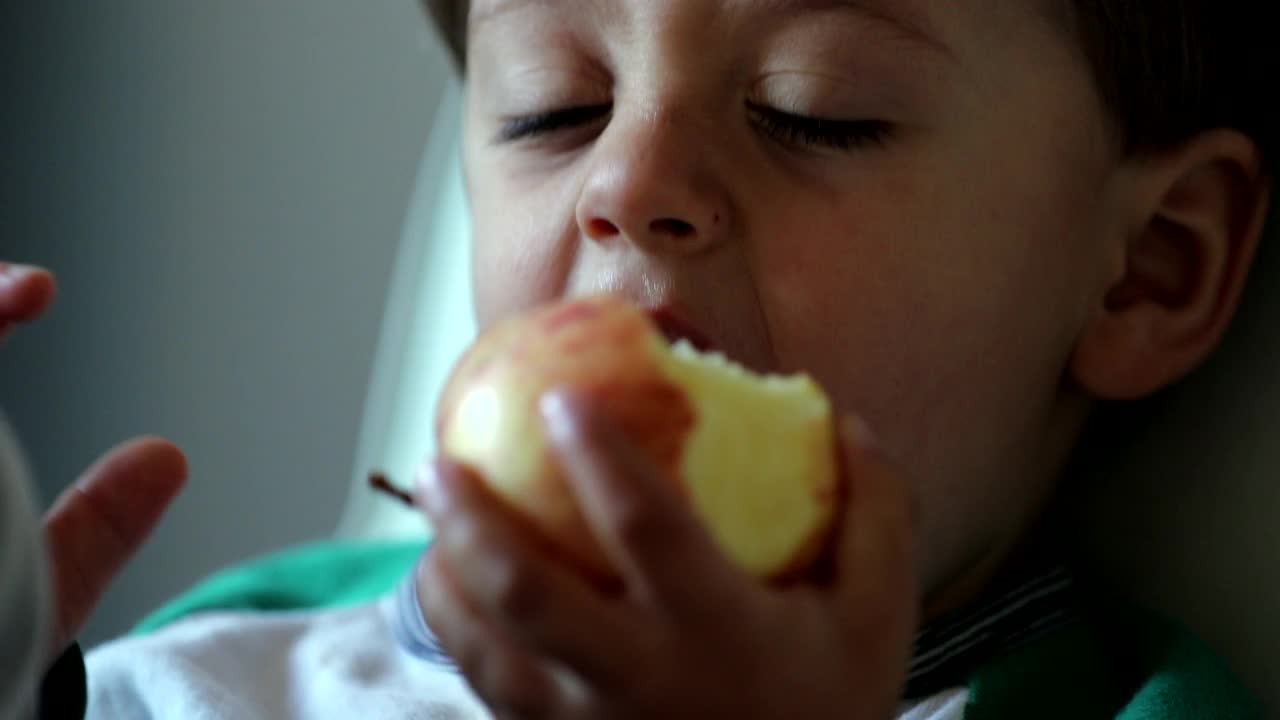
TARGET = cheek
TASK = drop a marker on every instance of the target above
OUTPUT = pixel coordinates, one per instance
(934, 312)
(521, 242)
(956, 310)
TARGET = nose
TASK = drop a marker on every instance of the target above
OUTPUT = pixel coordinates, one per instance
(652, 183)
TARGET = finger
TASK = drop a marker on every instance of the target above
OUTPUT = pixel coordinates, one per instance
(875, 581)
(648, 531)
(508, 572)
(100, 521)
(507, 677)
(25, 292)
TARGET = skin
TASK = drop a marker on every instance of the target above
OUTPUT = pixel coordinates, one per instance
(970, 287)
(103, 518)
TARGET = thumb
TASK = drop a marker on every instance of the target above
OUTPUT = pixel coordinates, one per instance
(875, 590)
(99, 522)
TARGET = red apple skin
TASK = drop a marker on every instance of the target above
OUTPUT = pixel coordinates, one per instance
(602, 349)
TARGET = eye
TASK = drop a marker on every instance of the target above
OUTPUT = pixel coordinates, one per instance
(803, 130)
(525, 127)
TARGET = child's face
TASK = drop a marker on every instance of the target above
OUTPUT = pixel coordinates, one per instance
(929, 251)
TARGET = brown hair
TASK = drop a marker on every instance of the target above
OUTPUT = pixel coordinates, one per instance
(1166, 69)
(1169, 69)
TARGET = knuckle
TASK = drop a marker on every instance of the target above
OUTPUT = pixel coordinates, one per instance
(429, 587)
(637, 526)
(469, 657)
(459, 535)
(589, 706)
(513, 588)
(513, 686)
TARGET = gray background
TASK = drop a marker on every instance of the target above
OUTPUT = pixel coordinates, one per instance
(220, 188)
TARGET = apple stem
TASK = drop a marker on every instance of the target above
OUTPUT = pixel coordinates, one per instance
(380, 482)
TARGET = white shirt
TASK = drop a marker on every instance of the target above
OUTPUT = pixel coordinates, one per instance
(312, 664)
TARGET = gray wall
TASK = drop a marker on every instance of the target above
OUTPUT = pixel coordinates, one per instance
(220, 188)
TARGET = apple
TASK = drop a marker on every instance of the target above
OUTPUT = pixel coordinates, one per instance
(753, 454)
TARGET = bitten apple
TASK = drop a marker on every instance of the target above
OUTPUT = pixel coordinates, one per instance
(753, 454)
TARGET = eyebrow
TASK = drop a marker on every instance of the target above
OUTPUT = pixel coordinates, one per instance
(910, 24)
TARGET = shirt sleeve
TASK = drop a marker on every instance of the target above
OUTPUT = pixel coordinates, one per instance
(410, 629)
(64, 692)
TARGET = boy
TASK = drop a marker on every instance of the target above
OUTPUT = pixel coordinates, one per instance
(971, 222)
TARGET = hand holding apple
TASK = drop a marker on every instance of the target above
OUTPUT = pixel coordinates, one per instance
(685, 632)
(575, 431)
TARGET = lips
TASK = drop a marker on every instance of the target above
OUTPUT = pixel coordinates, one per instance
(675, 326)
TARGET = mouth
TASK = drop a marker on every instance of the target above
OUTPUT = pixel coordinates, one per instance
(674, 326)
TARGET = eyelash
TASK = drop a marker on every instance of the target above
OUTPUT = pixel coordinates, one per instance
(791, 129)
(524, 127)
(784, 127)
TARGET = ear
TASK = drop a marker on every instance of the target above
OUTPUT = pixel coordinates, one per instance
(1197, 212)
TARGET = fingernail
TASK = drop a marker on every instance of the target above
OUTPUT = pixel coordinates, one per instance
(860, 433)
(560, 415)
(430, 488)
(11, 274)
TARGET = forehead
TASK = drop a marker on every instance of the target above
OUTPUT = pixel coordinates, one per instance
(480, 10)
(909, 16)
(941, 27)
